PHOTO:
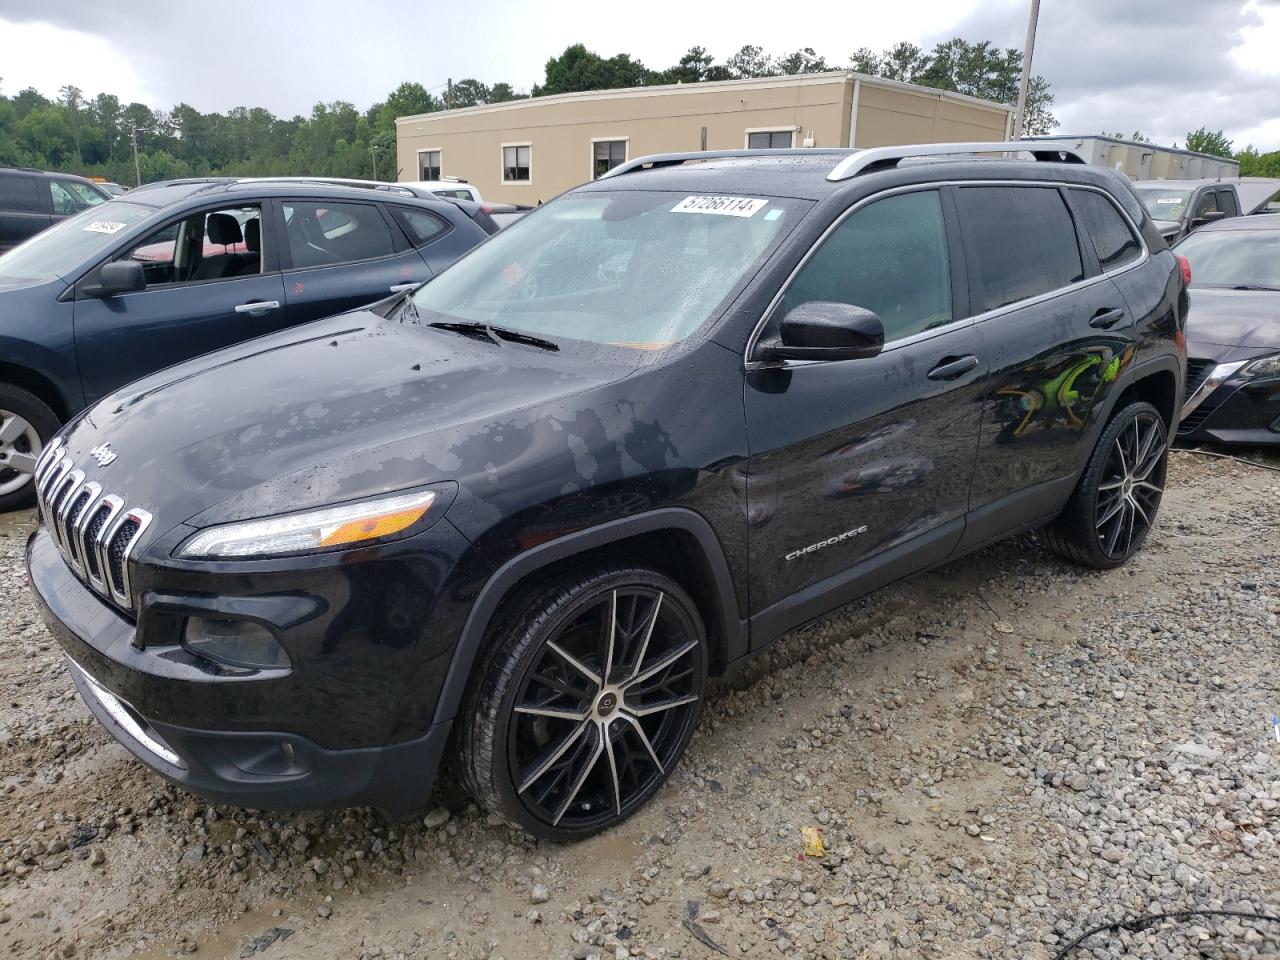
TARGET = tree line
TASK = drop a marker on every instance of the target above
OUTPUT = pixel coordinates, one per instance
(96, 135)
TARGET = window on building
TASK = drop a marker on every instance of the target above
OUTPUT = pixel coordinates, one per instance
(607, 154)
(429, 165)
(770, 139)
(1023, 241)
(1113, 241)
(516, 160)
(890, 258)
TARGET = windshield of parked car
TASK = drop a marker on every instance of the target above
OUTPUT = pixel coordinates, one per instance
(1164, 204)
(59, 250)
(635, 269)
(1249, 259)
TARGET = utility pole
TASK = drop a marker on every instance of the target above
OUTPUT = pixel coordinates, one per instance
(137, 168)
(1027, 52)
(448, 93)
(373, 155)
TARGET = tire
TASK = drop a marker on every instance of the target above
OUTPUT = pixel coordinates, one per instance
(576, 758)
(26, 425)
(1114, 504)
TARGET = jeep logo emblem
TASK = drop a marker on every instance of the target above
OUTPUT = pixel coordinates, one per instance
(103, 454)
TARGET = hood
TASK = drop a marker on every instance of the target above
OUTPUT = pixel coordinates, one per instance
(16, 284)
(329, 411)
(1248, 319)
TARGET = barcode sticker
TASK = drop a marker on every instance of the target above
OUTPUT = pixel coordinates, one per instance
(723, 206)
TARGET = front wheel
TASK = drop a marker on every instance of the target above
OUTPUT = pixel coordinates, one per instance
(585, 700)
(1115, 503)
(26, 425)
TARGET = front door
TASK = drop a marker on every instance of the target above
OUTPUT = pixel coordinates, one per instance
(860, 469)
(343, 255)
(211, 282)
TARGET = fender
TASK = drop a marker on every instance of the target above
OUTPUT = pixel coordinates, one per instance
(1167, 362)
(510, 573)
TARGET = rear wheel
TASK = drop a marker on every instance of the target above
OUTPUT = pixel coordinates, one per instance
(1115, 503)
(586, 701)
(26, 425)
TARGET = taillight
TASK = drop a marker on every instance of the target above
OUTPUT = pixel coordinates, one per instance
(1185, 264)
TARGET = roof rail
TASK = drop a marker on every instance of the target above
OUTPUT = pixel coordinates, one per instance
(675, 159)
(882, 158)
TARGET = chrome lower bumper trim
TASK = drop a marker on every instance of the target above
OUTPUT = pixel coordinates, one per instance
(121, 714)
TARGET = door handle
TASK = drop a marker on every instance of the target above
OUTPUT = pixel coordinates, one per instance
(1106, 318)
(257, 308)
(401, 287)
(949, 368)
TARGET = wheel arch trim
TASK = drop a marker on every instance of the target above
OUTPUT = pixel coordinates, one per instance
(511, 573)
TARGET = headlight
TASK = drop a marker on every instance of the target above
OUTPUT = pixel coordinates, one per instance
(1264, 367)
(312, 529)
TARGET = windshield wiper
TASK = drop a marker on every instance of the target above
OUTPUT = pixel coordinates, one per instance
(1254, 286)
(488, 331)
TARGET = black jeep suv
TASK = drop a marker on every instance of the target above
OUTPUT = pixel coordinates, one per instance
(518, 516)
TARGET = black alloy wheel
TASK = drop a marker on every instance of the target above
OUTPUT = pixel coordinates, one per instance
(1116, 500)
(600, 692)
(1129, 495)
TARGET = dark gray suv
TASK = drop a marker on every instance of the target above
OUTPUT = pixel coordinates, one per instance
(32, 200)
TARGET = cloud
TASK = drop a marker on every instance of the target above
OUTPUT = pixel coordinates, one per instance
(1164, 67)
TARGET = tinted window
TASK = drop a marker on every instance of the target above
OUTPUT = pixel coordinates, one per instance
(1227, 201)
(20, 193)
(770, 140)
(420, 225)
(1207, 203)
(323, 232)
(1113, 241)
(889, 257)
(1023, 243)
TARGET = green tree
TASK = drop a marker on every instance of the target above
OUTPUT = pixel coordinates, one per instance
(466, 93)
(1209, 141)
(1255, 164)
(802, 61)
(502, 93)
(580, 69)
(750, 61)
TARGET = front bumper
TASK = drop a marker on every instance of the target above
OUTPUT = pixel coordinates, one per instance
(349, 723)
(1237, 410)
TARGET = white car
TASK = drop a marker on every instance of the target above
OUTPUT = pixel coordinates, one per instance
(455, 189)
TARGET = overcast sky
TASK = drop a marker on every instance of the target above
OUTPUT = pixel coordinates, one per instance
(1161, 66)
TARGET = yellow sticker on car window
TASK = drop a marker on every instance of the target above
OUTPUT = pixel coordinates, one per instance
(722, 206)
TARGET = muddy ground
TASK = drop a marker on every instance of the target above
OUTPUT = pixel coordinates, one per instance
(999, 755)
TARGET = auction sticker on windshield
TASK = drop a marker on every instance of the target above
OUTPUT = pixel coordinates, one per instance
(105, 226)
(724, 206)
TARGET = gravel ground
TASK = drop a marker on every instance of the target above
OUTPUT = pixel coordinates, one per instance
(996, 757)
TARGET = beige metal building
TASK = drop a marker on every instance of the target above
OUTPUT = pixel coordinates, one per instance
(530, 150)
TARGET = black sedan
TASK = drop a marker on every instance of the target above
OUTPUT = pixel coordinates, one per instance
(1233, 332)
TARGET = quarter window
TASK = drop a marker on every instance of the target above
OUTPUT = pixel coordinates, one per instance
(1022, 241)
(429, 165)
(889, 257)
(323, 232)
(422, 227)
(1113, 241)
(770, 139)
(20, 193)
(516, 163)
(607, 154)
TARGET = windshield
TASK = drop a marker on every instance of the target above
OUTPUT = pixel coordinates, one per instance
(1164, 204)
(1233, 258)
(638, 269)
(64, 246)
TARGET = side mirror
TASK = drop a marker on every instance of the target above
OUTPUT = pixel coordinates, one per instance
(1209, 216)
(822, 330)
(120, 276)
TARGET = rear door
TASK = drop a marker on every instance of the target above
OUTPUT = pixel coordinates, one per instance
(342, 254)
(24, 209)
(200, 296)
(1058, 332)
(860, 469)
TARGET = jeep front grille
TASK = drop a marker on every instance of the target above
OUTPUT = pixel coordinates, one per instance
(95, 531)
